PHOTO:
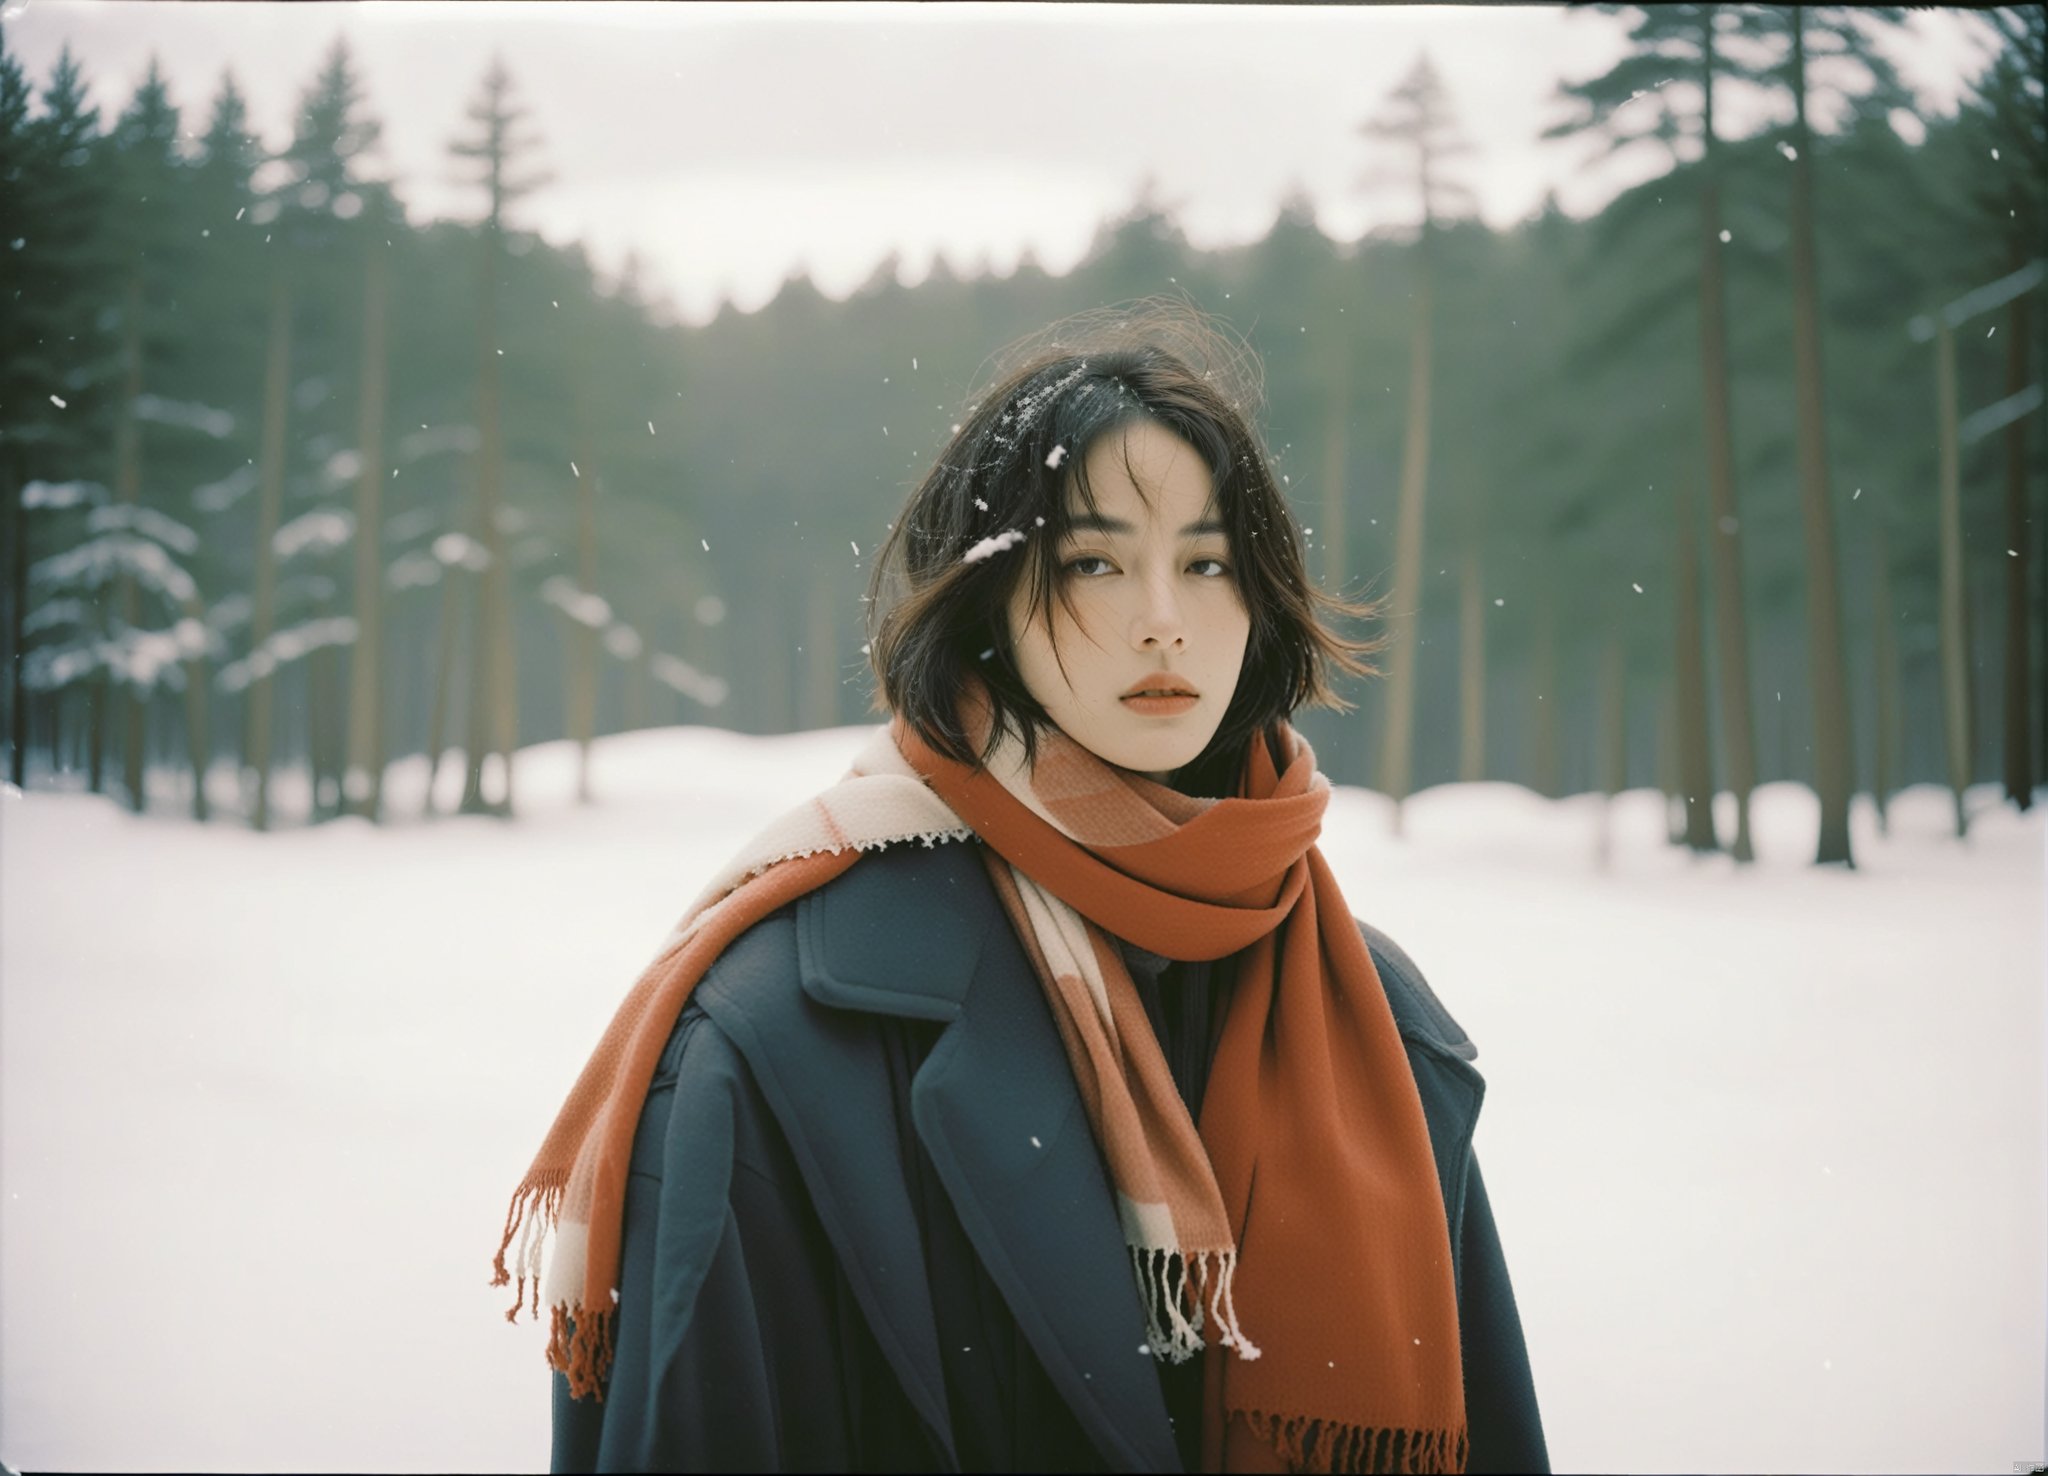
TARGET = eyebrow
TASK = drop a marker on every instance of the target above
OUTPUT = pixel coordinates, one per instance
(1096, 523)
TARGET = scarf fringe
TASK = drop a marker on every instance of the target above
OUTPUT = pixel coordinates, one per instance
(1173, 1317)
(1310, 1444)
(536, 1207)
(580, 1345)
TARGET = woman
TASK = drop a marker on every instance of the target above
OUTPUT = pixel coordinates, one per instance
(890, 1161)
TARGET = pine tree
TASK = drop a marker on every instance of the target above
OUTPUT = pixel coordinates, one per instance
(61, 394)
(2007, 118)
(1686, 46)
(496, 147)
(1417, 117)
(311, 217)
(1816, 31)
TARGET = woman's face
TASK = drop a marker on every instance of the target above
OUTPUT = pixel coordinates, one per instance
(1155, 606)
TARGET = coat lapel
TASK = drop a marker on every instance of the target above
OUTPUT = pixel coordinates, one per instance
(996, 1108)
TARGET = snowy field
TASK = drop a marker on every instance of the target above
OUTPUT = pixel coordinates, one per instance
(1765, 1145)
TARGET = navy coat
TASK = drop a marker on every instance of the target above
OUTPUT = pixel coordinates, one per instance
(868, 1228)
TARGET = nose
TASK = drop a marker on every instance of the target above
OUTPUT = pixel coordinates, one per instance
(1158, 623)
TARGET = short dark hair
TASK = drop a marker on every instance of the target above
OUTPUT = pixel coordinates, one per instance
(934, 614)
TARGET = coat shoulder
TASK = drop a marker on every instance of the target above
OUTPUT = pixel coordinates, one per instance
(1416, 1008)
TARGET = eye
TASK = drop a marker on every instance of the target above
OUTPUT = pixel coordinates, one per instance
(1073, 566)
(1222, 569)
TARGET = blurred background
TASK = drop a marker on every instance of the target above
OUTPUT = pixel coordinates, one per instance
(441, 451)
(414, 380)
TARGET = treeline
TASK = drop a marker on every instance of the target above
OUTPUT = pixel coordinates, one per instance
(293, 480)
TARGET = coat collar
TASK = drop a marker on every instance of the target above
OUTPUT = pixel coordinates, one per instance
(918, 932)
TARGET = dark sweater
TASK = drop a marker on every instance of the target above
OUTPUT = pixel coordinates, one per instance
(1185, 1002)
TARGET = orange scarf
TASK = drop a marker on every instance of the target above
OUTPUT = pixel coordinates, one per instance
(1301, 1228)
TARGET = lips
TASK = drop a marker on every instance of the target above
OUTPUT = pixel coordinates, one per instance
(1161, 684)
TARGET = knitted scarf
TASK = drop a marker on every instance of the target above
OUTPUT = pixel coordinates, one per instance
(1300, 1228)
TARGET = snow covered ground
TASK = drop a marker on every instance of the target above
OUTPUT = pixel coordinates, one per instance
(1766, 1145)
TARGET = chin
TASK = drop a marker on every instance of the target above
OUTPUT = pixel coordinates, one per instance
(1159, 761)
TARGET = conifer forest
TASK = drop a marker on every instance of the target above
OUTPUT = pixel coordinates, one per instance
(1738, 480)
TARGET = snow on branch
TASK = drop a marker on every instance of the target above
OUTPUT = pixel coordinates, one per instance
(95, 563)
(341, 468)
(323, 530)
(285, 647)
(142, 659)
(129, 517)
(63, 494)
(219, 496)
(203, 418)
(460, 548)
(580, 606)
(52, 614)
(676, 673)
(623, 642)
(413, 571)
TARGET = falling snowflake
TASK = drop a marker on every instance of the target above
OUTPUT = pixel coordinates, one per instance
(1054, 458)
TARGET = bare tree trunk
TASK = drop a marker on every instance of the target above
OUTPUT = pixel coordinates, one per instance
(496, 702)
(198, 721)
(2018, 694)
(1396, 753)
(1884, 652)
(14, 536)
(1833, 759)
(96, 714)
(1955, 653)
(1471, 668)
(1670, 783)
(822, 695)
(1695, 761)
(633, 686)
(363, 773)
(1544, 720)
(1731, 630)
(325, 722)
(582, 638)
(1613, 755)
(1336, 462)
(447, 671)
(132, 702)
(269, 508)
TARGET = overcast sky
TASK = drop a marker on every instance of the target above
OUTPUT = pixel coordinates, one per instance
(732, 145)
